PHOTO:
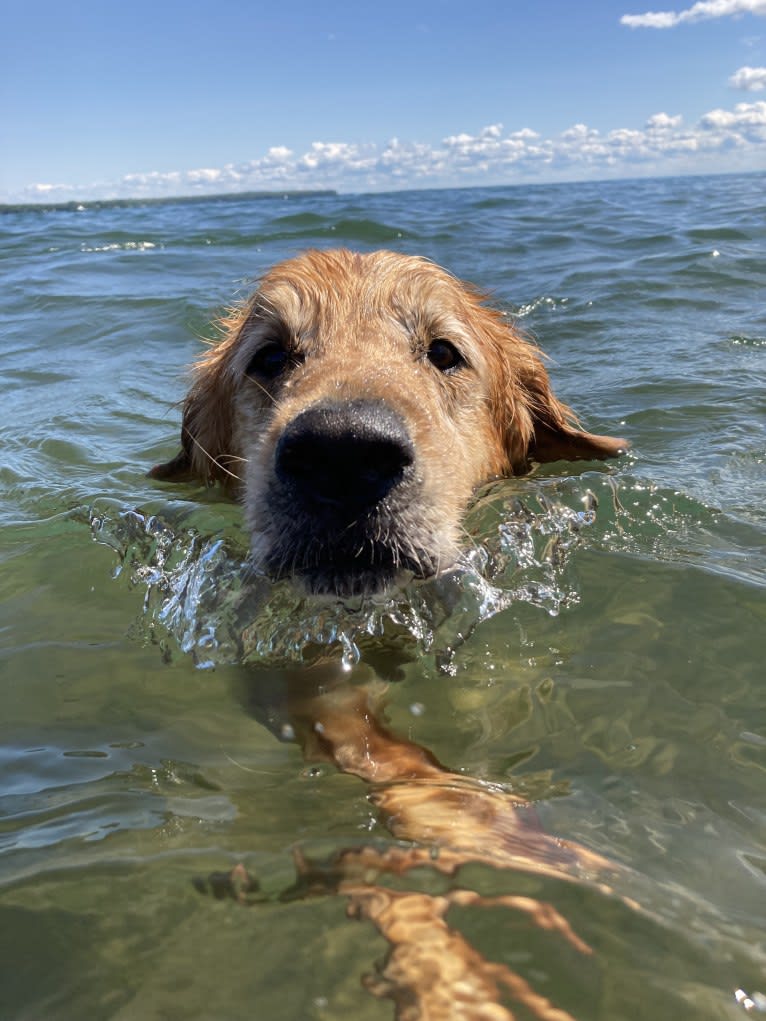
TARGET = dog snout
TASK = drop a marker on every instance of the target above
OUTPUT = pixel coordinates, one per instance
(344, 457)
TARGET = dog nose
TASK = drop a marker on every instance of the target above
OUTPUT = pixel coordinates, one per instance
(344, 457)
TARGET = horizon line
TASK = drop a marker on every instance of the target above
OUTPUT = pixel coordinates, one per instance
(249, 194)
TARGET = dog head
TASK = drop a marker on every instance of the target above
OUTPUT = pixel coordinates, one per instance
(356, 401)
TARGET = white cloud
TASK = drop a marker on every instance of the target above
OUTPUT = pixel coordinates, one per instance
(663, 122)
(330, 152)
(733, 139)
(47, 189)
(701, 11)
(205, 176)
(746, 118)
(751, 79)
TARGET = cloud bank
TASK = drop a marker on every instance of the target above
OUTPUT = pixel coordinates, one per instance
(702, 11)
(722, 140)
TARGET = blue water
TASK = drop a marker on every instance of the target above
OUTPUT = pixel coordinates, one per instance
(606, 657)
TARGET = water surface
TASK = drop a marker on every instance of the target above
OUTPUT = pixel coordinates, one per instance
(603, 653)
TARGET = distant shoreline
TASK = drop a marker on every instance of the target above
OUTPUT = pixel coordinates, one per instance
(73, 205)
(80, 205)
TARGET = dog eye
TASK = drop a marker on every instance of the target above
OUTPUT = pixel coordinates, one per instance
(269, 361)
(444, 356)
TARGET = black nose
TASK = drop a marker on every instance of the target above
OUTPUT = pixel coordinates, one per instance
(344, 457)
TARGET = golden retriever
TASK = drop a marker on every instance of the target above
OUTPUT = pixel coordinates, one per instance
(357, 400)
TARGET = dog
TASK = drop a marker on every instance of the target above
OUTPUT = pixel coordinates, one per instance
(356, 401)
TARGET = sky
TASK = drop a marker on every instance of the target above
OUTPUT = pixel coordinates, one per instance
(102, 99)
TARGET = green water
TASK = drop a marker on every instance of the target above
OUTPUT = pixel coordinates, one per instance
(608, 665)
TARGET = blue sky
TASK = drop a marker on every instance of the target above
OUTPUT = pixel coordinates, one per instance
(145, 98)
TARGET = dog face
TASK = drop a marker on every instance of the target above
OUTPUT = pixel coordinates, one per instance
(356, 401)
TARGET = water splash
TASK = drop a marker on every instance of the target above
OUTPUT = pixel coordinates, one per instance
(204, 598)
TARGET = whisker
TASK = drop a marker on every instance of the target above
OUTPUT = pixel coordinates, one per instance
(215, 460)
(262, 388)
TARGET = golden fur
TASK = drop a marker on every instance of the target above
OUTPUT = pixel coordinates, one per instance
(384, 346)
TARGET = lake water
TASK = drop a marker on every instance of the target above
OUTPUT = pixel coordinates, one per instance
(603, 654)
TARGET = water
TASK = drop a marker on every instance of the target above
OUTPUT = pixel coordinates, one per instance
(601, 649)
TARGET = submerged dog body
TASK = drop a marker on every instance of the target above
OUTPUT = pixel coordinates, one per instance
(357, 401)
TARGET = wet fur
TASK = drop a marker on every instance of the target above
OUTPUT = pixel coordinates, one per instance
(359, 327)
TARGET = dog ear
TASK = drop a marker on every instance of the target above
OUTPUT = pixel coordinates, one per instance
(207, 436)
(539, 426)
